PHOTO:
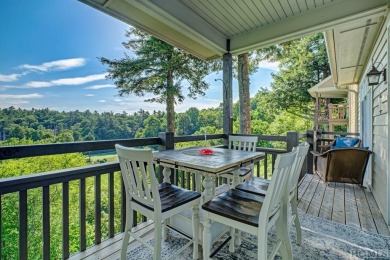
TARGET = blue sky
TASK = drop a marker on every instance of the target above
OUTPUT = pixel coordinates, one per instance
(48, 59)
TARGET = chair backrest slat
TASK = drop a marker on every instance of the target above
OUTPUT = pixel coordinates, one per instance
(138, 175)
(302, 150)
(278, 185)
(244, 143)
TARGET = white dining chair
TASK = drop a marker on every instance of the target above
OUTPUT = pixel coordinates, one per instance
(243, 143)
(156, 202)
(254, 214)
(259, 186)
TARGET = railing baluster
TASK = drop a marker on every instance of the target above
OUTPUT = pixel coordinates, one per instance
(266, 166)
(23, 224)
(46, 221)
(188, 179)
(111, 204)
(182, 177)
(193, 182)
(98, 211)
(175, 177)
(82, 199)
(273, 161)
(65, 220)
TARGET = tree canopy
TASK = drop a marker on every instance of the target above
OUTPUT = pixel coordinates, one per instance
(303, 63)
(157, 68)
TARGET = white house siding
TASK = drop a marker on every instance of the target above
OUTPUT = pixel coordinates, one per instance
(380, 127)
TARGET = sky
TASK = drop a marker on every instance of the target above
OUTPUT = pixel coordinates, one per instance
(49, 53)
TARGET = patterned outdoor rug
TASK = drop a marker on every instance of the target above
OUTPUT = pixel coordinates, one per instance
(321, 239)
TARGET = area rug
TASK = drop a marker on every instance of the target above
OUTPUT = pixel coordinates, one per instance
(321, 239)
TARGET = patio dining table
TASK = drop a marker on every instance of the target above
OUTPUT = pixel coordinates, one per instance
(210, 166)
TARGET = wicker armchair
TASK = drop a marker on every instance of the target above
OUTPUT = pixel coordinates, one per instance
(342, 165)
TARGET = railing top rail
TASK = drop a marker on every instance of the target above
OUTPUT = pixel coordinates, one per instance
(189, 138)
(37, 180)
(338, 133)
(21, 151)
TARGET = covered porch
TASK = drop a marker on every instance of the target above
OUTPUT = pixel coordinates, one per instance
(206, 30)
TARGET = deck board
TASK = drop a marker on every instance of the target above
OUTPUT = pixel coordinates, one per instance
(306, 198)
(377, 215)
(338, 212)
(316, 201)
(365, 215)
(343, 203)
(327, 202)
(351, 212)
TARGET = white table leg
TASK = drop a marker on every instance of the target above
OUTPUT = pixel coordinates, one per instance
(167, 175)
(236, 181)
(236, 178)
(197, 182)
(208, 183)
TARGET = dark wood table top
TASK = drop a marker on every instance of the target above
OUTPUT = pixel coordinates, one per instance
(221, 161)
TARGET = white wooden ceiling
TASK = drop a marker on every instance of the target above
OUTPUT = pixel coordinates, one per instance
(202, 27)
(349, 47)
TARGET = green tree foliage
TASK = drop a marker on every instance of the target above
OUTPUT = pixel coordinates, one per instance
(303, 63)
(158, 69)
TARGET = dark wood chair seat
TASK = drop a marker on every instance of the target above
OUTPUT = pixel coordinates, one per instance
(172, 196)
(255, 185)
(237, 205)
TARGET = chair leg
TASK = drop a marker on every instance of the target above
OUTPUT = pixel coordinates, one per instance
(297, 224)
(282, 235)
(238, 238)
(165, 230)
(195, 231)
(206, 238)
(126, 237)
(232, 240)
(157, 239)
(262, 246)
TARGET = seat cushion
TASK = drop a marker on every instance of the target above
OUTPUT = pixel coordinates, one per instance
(172, 196)
(346, 142)
(237, 205)
(255, 185)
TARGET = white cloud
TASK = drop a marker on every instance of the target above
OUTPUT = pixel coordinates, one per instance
(8, 100)
(90, 95)
(269, 65)
(24, 96)
(101, 86)
(65, 81)
(37, 84)
(10, 77)
(102, 101)
(56, 65)
(79, 80)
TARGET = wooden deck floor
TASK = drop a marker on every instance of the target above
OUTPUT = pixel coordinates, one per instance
(347, 204)
(343, 203)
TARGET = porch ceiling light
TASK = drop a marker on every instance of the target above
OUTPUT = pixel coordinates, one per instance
(373, 76)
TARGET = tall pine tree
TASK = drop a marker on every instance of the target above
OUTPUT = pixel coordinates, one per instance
(157, 68)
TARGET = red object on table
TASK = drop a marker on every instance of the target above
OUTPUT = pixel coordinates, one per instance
(206, 151)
